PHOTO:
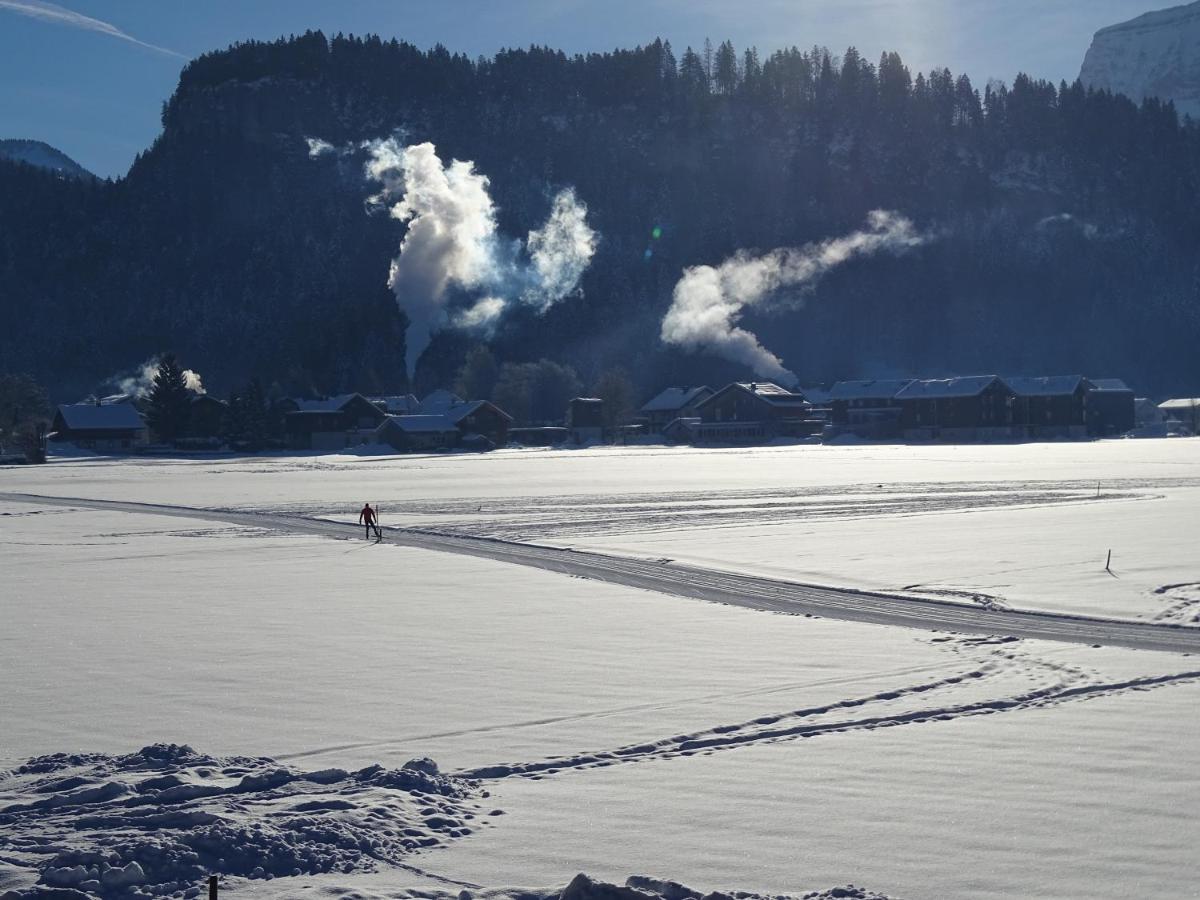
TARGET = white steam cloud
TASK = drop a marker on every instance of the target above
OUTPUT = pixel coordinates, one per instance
(454, 268)
(709, 301)
(141, 380)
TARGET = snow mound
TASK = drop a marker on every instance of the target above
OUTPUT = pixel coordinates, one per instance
(158, 822)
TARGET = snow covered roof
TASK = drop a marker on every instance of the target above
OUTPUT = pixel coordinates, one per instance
(873, 389)
(421, 423)
(1180, 403)
(398, 404)
(328, 405)
(939, 388)
(674, 398)
(763, 387)
(816, 394)
(81, 416)
(459, 412)
(1044, 386)
(1108, 384)
(438, 402)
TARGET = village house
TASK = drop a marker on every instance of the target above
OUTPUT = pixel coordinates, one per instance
(1049, 406)
(99, 426)
(333, 423)
(868, 408)
(207, 417)
(974, 407)
(752, 412)
(418, 433)
(673, 403)
(1109, 407)
(585, 420)
(1184, 410)
(478, 424)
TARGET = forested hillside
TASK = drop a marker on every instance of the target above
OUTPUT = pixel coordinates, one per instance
(1063, 223)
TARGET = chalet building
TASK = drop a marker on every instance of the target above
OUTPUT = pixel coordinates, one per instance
(1184, 410)
(481, 417)
(398, 404)
(1109, 407)
(333, 423)
(673, 403)
(410, 434)
(207, 417)
(99, 426)
(752, 412)
(477, 424)
(868, 409)
(975, 407)
(438, 402)
(585, 420)
(1049, 406)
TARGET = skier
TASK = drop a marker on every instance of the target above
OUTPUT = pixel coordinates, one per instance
(367, 518)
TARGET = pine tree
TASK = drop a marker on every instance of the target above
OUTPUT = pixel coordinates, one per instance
(170, 401)
(477, 377)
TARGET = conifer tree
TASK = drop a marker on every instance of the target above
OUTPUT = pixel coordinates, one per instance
(170, 403)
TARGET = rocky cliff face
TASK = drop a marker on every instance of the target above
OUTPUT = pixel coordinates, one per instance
(1154, 55)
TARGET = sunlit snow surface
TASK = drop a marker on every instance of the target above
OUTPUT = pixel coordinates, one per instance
(722, 747)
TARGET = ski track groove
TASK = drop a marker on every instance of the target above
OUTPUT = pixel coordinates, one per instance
(729, 588)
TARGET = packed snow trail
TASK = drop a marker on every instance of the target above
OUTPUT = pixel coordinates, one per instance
(706, 584)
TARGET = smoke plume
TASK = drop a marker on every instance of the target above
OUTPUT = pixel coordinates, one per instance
(141, 380)
(454, 268)
(709, 301)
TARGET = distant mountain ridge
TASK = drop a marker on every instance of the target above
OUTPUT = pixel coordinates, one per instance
(1154, 55)
(43, 156)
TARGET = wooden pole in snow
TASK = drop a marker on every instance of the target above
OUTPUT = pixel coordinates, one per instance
(212, 887)
(1108, 562)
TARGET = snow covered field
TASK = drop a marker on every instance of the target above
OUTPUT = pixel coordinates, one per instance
(619, 731)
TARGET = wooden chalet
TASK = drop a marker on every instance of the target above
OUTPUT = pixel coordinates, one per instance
(585, 420)
(476, 423)
(671, 404)
(1049, 406)
(1109, 407)
(332, 423)
(753, 412)
(868, 408)
(207, 417)
(99, 426)
(974, 407)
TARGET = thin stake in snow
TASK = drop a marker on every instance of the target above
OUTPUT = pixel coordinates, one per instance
(212, 887)
(1108, 563)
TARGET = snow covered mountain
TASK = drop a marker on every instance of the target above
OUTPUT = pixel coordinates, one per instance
(42, 155)
(1154, 55)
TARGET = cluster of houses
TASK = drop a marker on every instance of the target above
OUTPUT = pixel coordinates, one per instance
(970, 408)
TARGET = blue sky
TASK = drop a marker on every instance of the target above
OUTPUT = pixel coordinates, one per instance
(90, 76)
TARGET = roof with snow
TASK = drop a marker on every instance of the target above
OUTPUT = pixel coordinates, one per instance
(1108, 384)
(1180, 403)
(1044, 385)
(762, 387)
(873, 389)
(398, 404)
(674, 398)
(942, 388)
(460, 411)
(84, 416)
(816, 394)
(327, 405)
(438, 402)
(421, 424)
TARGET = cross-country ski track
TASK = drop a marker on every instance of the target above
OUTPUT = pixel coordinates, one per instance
(735, 589)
